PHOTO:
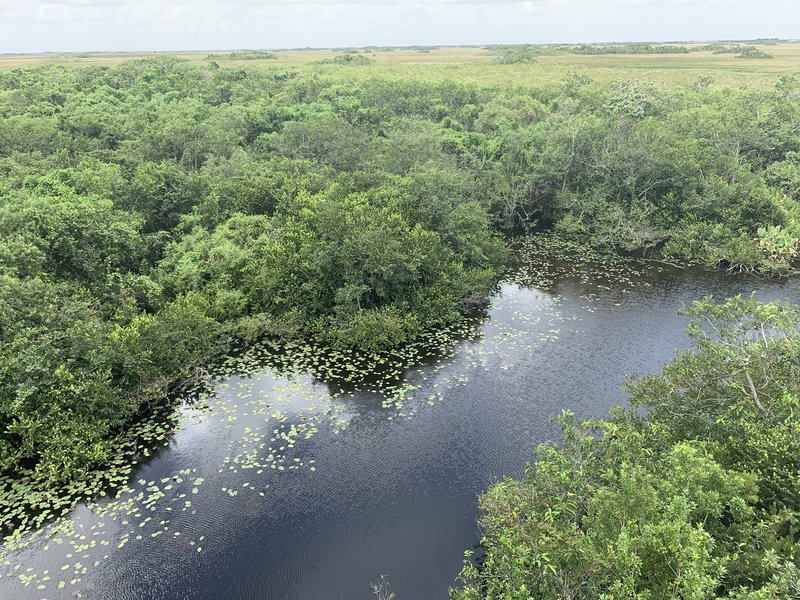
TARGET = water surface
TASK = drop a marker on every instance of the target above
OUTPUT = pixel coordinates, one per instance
(361, 489)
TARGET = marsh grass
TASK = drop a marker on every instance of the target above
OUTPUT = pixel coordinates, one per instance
(472, 65)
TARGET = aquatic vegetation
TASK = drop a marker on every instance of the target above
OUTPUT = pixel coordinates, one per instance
(273, 399)
(547, 259)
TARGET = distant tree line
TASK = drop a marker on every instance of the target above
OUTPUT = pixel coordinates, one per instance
(739, 50)
(244, 55)
(528, 53)
(349, 58)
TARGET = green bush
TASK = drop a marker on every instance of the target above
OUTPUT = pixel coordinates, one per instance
(697, 499)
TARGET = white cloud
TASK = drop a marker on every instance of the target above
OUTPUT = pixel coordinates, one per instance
(34, 25)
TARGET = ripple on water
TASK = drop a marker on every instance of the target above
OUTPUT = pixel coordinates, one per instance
(305, 473)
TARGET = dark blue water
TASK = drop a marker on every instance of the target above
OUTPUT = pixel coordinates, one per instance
(393, 491)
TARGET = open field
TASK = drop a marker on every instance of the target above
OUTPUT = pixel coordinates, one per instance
(469, 65)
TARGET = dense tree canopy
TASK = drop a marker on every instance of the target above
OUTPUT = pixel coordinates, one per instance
(151, 212)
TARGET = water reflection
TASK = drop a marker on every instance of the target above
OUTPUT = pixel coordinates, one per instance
(289, 487)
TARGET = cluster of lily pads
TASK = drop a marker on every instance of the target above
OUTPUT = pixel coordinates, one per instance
(547, 258)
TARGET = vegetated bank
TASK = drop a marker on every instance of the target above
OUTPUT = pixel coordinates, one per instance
(699, 499)
(150, 213)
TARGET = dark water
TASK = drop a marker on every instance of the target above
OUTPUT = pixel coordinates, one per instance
(389, 495)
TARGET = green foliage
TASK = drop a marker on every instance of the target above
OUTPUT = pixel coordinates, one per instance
(55, 380)
(753, 351)
(69, 378)
(518, 54)
(741, 51)
(527, 53)
(161, 193)
(751, 52)
(595, 49)
(344, 269)
(349, 59)
(47, 228)
(150, 213)
(699, 499)
(154, 350)
(163, 202)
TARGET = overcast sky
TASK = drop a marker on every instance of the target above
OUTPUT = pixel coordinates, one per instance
(80, 25)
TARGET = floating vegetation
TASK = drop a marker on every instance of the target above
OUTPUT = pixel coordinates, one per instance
(268, 396)
(547, 259)
(264, 404)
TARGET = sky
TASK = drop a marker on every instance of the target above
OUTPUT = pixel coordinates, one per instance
(142, 25)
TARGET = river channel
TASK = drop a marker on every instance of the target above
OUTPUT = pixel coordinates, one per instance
(291, 487)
